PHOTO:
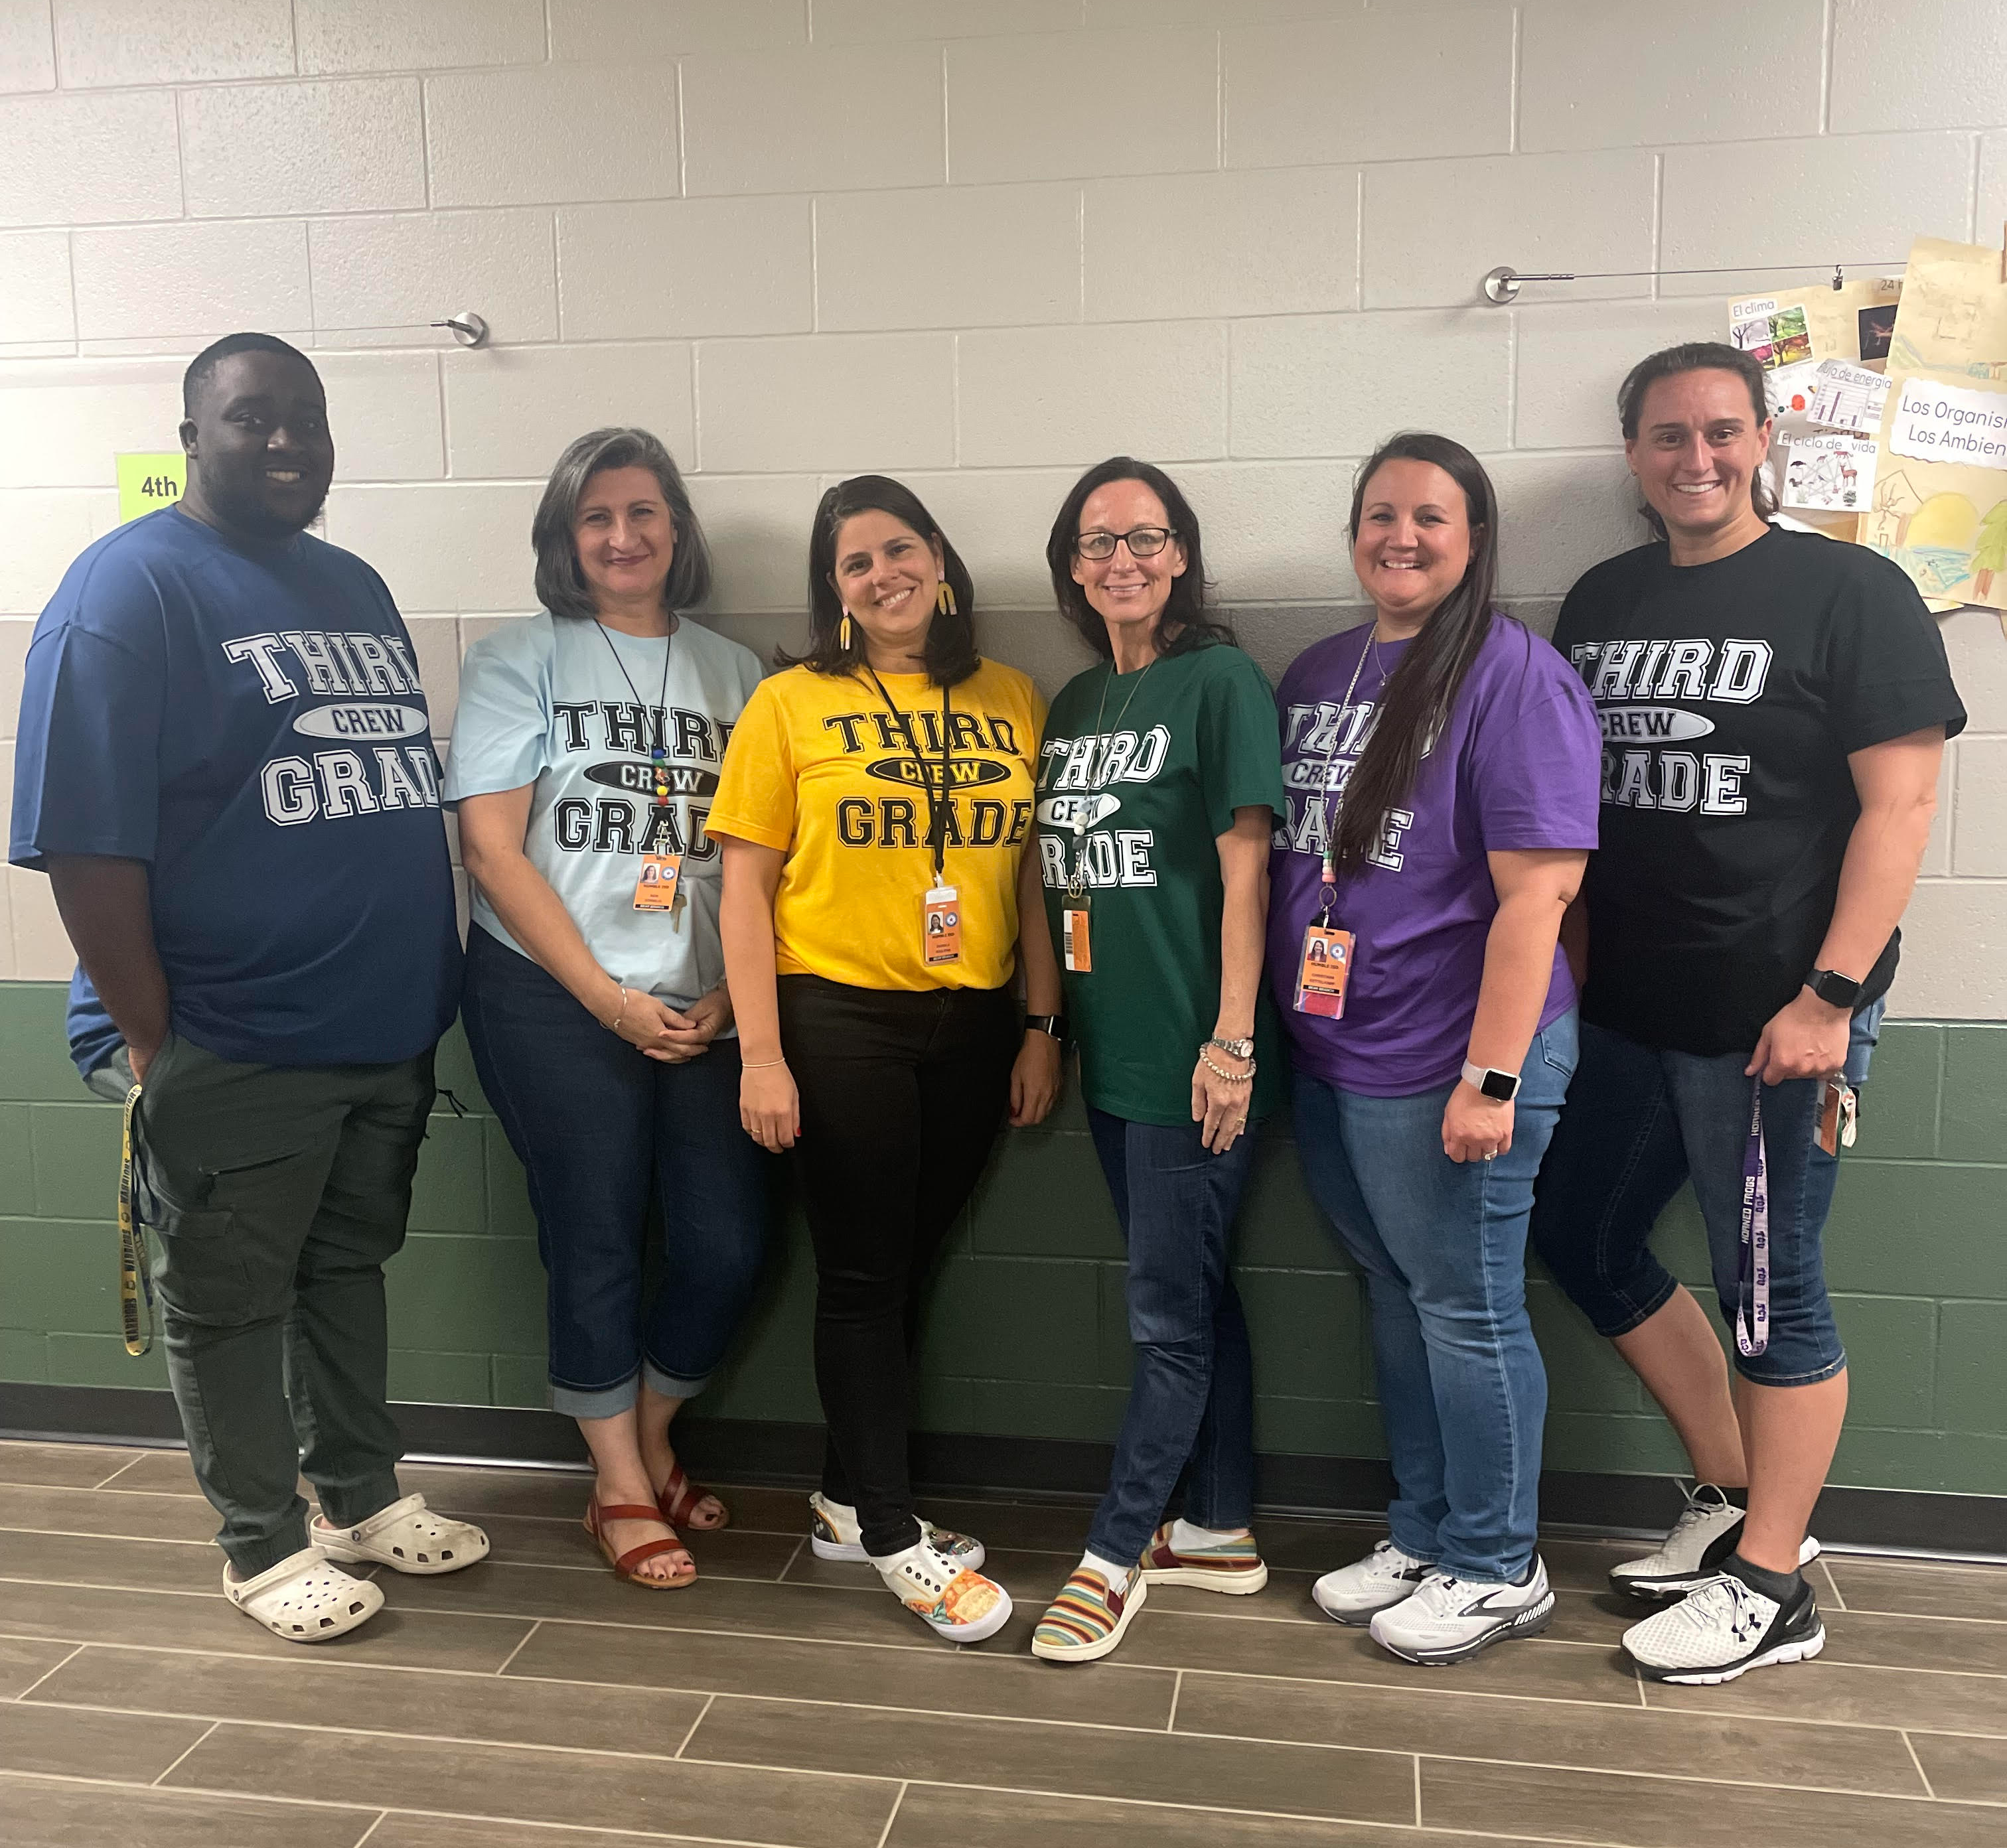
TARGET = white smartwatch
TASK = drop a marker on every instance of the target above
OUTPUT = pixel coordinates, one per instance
(1501, 1087)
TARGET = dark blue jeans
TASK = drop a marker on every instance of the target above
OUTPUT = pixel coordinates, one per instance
(1642, 1119)
(600, 1129)
(1191, 1397)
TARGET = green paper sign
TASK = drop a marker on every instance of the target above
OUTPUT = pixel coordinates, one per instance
(147, 482)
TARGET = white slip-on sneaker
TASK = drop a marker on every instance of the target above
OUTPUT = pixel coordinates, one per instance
(834, 1534)
(951, 1600)
(1449, 1619)
(1380, 1581)
(1724, 1629)
(1701, 1539)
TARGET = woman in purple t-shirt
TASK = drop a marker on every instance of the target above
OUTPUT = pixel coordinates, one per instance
(1442, 766)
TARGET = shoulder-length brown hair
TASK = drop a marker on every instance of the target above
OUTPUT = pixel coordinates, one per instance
(950, 654)
(561, 585)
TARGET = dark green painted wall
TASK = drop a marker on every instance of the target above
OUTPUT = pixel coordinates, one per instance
(1026, 1336)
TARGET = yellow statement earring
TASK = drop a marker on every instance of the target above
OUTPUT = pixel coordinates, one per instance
(944, 604)
(843, 634)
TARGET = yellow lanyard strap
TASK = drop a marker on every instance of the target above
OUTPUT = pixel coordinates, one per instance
(134, 1283)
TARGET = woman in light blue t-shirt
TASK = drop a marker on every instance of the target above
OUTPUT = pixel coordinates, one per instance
(585, 750)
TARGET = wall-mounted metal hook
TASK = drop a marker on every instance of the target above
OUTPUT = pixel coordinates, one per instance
(466, 327)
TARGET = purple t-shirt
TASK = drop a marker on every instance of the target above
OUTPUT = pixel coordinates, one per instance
(1519, 767)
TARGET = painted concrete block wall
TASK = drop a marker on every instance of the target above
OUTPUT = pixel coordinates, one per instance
(979, 243)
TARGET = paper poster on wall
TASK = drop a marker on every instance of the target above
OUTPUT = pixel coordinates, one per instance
(149, 482)
(1852, 322)
(1939, 507)
(1829, 474)
(1771, 335)
(1846, 397)
(1952, 316)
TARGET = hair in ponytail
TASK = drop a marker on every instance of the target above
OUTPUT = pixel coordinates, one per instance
(1419, 695)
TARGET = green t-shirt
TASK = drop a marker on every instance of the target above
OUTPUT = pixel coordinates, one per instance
(1180, 745)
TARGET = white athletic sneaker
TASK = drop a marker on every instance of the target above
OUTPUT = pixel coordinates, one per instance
(951, 1600)
(1380, 1581)
(1723, 1630)
(1701, 1539)
(834, 1534)
(1448, 1618)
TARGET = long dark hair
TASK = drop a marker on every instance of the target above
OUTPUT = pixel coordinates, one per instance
(1695, 356)
(1184, 624)
(950, 654)
(1416, 704)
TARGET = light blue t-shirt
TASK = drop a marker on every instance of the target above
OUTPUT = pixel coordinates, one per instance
(575, 707)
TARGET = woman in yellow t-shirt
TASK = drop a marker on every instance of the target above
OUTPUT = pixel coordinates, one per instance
(874, 805)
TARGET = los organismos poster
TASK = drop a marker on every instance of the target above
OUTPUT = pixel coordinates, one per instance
(1939, 507)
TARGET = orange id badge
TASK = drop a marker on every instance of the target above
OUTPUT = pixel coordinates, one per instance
(1323, 970)
(942, 939)
(1073, 934)
(1836, 1116)
(655, 890)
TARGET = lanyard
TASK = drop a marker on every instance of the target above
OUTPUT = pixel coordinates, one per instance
(937, 799)
(1329, 890)
(658, 750)
(1752, 1269)
(1077, 885)
(135, 1281)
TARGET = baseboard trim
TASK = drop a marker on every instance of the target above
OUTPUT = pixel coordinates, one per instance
(773, 1452)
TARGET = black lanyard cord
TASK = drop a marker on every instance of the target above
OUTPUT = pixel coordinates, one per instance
(937, 799)
(656, 752)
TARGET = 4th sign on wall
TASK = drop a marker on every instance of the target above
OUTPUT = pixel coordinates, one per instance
(149, 482)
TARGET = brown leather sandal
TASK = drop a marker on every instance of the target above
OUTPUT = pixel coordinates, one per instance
(623, 1563)
(680, 1496)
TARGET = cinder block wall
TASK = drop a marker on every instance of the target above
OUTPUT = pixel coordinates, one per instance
(981, 243)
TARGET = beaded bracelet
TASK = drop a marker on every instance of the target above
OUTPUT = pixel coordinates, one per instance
(1231, 1078)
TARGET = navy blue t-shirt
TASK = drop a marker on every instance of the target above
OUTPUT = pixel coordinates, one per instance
(251, 725)
(94, 1039)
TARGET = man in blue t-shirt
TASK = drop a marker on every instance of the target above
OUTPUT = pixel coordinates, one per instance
(224, 765)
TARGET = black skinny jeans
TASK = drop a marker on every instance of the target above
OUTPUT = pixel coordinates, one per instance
(901, 1094)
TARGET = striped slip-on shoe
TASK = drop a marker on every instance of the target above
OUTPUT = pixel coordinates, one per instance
(1087, 1620)
(1234, 1567)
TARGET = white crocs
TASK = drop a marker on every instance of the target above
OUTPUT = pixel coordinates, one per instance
(405, 1537)
(303, 1599)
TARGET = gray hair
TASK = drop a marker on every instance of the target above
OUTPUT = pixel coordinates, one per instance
(561, 585)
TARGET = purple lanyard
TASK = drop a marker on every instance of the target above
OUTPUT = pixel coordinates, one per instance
(1752, 1270)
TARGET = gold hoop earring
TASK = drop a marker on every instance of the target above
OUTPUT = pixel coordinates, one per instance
(843, 634)
(944, 604)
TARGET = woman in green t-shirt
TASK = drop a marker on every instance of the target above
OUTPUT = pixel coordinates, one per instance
(1160, 780)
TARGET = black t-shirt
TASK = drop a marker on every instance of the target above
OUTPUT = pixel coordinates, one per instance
(1731, 694)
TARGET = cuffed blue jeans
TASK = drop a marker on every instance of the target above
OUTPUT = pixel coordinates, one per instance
(599, 1129)
(1442, 1244)
(1191, 1397)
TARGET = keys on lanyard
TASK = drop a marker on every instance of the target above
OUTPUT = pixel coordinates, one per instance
(940, 915)
(1752, 1269)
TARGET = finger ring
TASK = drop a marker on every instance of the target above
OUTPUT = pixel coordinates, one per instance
(1491, 1154)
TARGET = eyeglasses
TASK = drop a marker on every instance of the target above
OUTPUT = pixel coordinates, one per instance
(1143, 541)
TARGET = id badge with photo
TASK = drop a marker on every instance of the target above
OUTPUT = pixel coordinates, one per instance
(1075, 951)
(662, 874)
(1837, 1105)
(941, 939)
(1322, 970)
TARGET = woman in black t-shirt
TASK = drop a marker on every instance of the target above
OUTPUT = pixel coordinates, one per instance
(1775, 706)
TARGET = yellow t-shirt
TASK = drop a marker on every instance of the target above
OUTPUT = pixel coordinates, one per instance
(817, 767)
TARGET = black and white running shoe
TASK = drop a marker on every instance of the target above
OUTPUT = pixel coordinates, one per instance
(1701, 1539)
(1723, 1629)
(1448, 1619)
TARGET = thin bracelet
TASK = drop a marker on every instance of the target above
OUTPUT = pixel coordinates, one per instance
(613, 1026)
(762, 1064)
(1232, 1077)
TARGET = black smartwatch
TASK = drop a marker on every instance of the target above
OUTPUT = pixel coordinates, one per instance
(1834, 989)
(1052, 1024)
(1501, 1087)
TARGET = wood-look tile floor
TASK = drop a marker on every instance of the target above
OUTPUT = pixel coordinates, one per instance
(531, 1701)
